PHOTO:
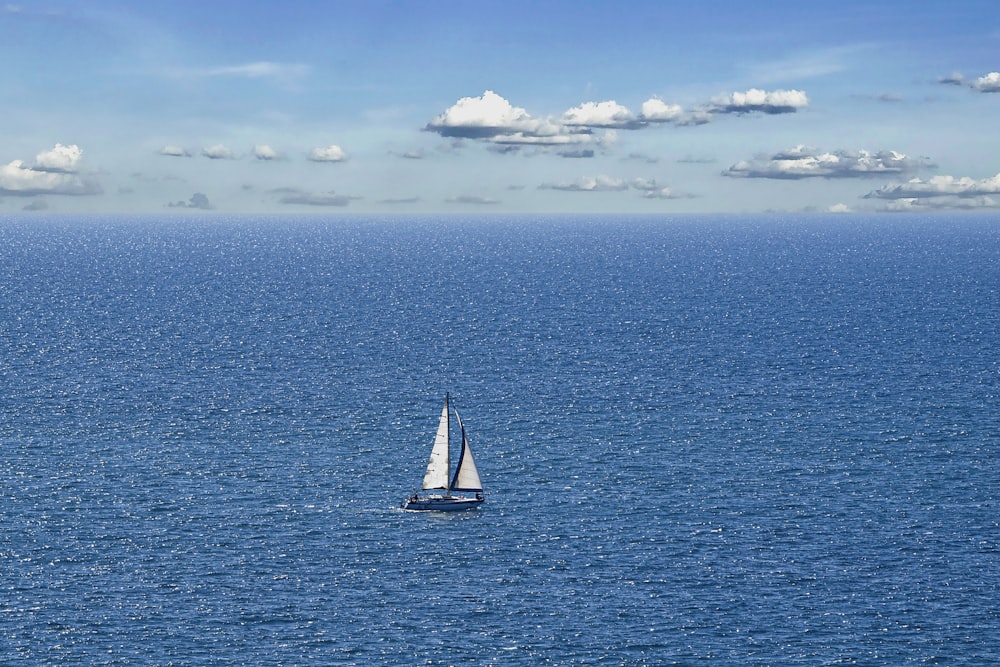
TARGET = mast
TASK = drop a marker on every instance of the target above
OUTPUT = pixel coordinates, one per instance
(447, 446)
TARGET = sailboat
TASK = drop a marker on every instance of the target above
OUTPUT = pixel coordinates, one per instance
(466, 478)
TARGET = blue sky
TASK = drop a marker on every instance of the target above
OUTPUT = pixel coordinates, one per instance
(501, 107)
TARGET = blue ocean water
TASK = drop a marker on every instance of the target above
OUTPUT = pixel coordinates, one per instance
(752, 441)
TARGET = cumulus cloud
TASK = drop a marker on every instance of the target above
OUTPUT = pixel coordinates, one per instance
(940, 193)
(175, 151)
(916, 205)
(804, 162)
(198, 200)
(612, 115)
(331, 153)
(53, 172)
(939, 186)
(486, 117)
(661, 193)
(600, 114)
(61, 159)
(493, 119)
(648, 188)
(265, 152)
(839, 208)
(588, 184)
(774, 102)
(218, 152)
(655, 110)
(988, 84)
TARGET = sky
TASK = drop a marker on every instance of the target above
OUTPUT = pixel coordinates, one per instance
(547, 106)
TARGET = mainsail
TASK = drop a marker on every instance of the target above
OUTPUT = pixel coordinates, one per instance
(436, 476)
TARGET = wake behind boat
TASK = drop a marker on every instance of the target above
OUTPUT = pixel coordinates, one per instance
(466, 478)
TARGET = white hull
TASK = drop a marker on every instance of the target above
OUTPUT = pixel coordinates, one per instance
(442, 503)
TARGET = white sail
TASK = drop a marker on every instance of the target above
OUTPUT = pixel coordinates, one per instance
(466, 474)
(436, 476)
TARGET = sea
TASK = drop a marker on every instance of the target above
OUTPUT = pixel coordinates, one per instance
(705, 440)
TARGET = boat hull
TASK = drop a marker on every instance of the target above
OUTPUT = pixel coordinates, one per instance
(442, 503)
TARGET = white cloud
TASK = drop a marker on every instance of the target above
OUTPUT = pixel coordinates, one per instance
(650, 189)
(60, 159)
(218, 152)
(803, 162)
(608, 114)
(940, 193)
(662, 193)
(988, 84)
(265, 152)
(493, 119)
(774, 102)
(588, 184)
(175, 151)
(570, 139)
(332, 153)
(656, 110)
(528, 138)
(55, 172)
(948, 203)
(939, 186)
(839, 208)
(486, 117)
